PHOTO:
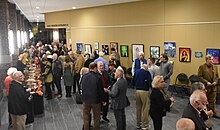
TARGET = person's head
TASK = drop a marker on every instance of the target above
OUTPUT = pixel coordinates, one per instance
(113, 50)
(10, 71)
(141, 55)
(93, 66)
(163, 57)
(55, 56)
(18, 76)
(100, 65)
(144, 66)
(112, 57)
(184, 53)
(198, 86)
(198, 100)
(150, 61)
(101, 54)
(209, 59)
(158, 82)
(78, 52)
(84, 71)
(20, 57)
(119, 72)
(111, 66)
(117, 63)
(71, 54)
(67, 59)
(185, 124)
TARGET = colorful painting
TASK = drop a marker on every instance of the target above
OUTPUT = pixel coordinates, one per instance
(114, 45)
(198, 54)
(124, 50)
(136, 48)
(79, 46)
(184, 54)
(214, 53)
(105, 49)
(155, 52)
(88, 48)
(170, 49)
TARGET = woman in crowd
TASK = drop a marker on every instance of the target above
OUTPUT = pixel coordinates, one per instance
(159, 102)
(68, 76)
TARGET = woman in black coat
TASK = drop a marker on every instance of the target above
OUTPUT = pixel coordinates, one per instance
(159, 103)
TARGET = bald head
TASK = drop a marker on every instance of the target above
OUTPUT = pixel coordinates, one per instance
(100, 65)
(185, 124)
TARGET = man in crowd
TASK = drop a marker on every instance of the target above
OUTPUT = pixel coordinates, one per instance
(142, 82)
(198, 101)
(138, 62)
(18, 101)
(119, 102)
(20, 64)
(117, 56)
(92, 95)
(185, 124)
(166, 70)
(208, 74)
(78, 66)
(153, 69)
(101, 54)
(57, 71)
(105, 83)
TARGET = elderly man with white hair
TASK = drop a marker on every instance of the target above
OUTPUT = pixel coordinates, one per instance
(138, 62)
(101, 54)
(185, 124)
(18, 101)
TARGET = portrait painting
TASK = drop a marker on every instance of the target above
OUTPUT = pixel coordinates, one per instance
(184, 54)
(79, 46)
(96, 45)
(155, 52)
(114, 45)
(124, 50)
(136, 48)
(215, 53)
(170, 49)
(105, 49)
(88, 48)
(198, 54)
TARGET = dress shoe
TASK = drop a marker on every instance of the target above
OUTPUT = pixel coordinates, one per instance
(216, 116)
(59, 96)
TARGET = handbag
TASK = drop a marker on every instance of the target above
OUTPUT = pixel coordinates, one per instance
(78, 98)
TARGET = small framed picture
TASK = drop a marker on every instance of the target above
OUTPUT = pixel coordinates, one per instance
(136, 48)
(198, 54)
(170, 49)
(215, 53)
(184, 54)
(79, 46)
(114, 45)
(155, 52)
(96, 45)
(105, 49)
(88, 48)
(124, 50)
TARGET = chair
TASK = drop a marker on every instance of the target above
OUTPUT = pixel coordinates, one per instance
(181, 85)
(194, 78)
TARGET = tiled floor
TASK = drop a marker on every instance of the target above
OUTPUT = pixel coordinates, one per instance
(65, 114)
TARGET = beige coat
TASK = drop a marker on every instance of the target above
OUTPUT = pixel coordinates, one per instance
(79, 64)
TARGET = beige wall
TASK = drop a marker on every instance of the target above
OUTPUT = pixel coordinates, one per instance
(144, 24)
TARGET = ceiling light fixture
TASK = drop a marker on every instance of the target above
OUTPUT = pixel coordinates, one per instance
(73, 7)
(37, 7)
(37, 16)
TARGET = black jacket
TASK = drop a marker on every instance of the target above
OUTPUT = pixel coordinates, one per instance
(17, 99)
(57, 68)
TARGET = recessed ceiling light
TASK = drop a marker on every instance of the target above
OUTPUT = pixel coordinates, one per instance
(73, 7)
(37, 16)
(37, 7)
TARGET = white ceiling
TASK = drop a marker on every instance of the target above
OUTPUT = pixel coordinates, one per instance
(28, 7)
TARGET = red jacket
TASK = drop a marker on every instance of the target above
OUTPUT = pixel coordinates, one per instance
(7, 83)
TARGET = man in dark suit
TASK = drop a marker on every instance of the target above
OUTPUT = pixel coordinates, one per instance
(198, 101)
(118, 95)
(208, 74)
(57, 71)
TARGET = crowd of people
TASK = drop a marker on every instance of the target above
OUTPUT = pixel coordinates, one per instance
(99, 81)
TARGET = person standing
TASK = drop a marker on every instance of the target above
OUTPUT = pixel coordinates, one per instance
(185, 124)
(117, 56)
(20, 64)
(101, 54)
(119, 102)
(142, 82)
(57, 70)
(67, 76)
(138, 62)
(166, 70)
(18, 101)
(208, 74)
(92, 95)
(152, 68)
(159, 103)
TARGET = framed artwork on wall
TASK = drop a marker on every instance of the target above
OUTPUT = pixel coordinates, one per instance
(184, 54)
(105, 49)
(215, 53)
(155, 52)
(114, 45)
(136, 48)
(88, 48)
(96, 45)
(79, 46)
(170, 49)
(124, 50)
(198, 54)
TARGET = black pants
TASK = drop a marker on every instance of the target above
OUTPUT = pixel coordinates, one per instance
(105, 109)
(120, 119)
(157, 121)
(76, 82)
(68, 90)
(57, 81)
(48, 90)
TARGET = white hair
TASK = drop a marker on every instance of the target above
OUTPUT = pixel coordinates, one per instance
(120, 70)
(196, 96)
(141, 53)
(156, 81)
(101, 54)
(16, 74)
(11, 70)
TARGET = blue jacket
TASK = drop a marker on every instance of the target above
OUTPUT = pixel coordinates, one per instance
(142, 79)
(137, 64)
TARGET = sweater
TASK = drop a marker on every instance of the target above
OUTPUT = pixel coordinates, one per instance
(142, 80)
